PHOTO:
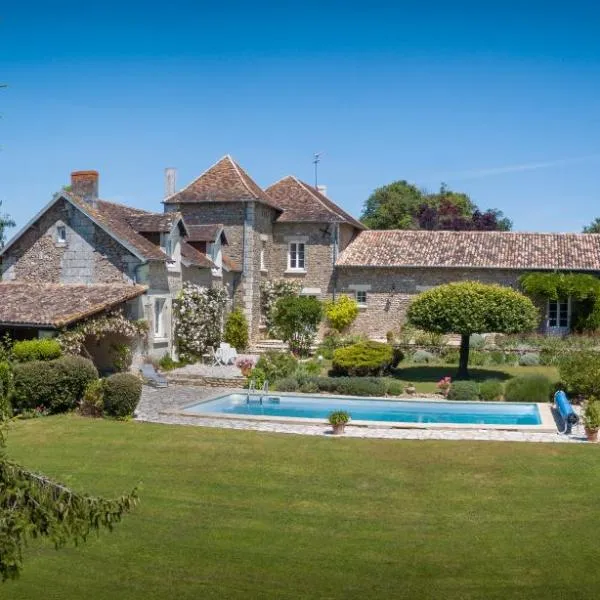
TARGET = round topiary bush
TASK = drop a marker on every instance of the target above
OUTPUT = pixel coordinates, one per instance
(528, 388)
(362, 359)
(529, 359)
(463, 390)
(73, 375)
(491, 390)
(122, 393)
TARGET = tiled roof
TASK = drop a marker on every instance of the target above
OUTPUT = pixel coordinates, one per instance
(194, 257)
(301, 202)
(203, 233)
(57, 305)
(473, 249)
(153, 222)
(225, 181)
(231, 265)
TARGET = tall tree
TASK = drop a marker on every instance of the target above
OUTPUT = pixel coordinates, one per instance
(5, 223)
(593, 227)
(402, 205)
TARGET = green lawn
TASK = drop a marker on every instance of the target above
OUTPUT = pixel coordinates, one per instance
(425, 377)
(231, 514)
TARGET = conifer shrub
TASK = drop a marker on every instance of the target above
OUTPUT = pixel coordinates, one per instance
(236, 330)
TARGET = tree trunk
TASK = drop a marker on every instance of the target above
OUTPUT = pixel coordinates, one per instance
(463, 363)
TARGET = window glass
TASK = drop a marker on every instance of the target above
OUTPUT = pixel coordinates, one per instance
(159, 304)
(296, 255)
(361, 297)
(61, 233)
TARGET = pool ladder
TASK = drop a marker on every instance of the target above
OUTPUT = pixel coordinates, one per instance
(252, 390)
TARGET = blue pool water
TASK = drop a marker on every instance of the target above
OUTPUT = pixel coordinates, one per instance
(409, 411)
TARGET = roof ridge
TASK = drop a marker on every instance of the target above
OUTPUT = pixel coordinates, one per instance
(148, 212)
(479, 232)
(244, 182)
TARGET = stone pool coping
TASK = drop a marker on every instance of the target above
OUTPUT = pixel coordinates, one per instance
(547, 425)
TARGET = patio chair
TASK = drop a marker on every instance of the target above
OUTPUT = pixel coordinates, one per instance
(217, 357)
(151, 377)
(228, 354)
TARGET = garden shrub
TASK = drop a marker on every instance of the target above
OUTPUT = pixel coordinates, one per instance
(423, 356)
(362, 359)
(580, 372)
(359, 386)
(491, 390)
(511, 358)
(258, 376)
(395, 388)
(122, 357)
(122, 392)
(92, 403)
(476, 341)
(56, 385)
(236, 330)
(341, 313)
(287, 384)
(397, 356)
(528, 388)
(477, 359)
(309, 386)
(463, 390)
(276, 365)
(166, 363)
(309, 368)
(40, 349)
(6, 386)
(298, 318)
(497, 357)
(450, 357)
(428, 338)
(529, 359)
(270, 293)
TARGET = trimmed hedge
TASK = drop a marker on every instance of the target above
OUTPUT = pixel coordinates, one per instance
(122, 392)
(346, 386)
(463, 390)
(363, 359)
(42, 349)
(528, 388)
(491, 390)
(56, 385)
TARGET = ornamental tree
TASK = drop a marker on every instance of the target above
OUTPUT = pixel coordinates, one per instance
(297, 318)
(341, 313)
(469, 307)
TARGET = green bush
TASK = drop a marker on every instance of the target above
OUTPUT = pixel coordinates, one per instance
(397, 356)
(41, 349)
(298, 318)
(236, 330)
(309, 386)
(423, 356)
(395, 388)
(497, 357)
(92, 403)
(6, 387)
(463, 390)
(580, 371)
(122, 392)
(362, 359)
(529, 359)
(476, 341)
(491, 390)
(341, 313)
(359, 386)
(121, 356)
(511, 358)
(287, 384)
(450, 356)
(258, 376)
(276, 365)
(477, 359)
(528, 388)
(56, 385)
(166, 363)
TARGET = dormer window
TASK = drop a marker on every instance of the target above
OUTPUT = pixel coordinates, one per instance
(61, 234)
(169, 246)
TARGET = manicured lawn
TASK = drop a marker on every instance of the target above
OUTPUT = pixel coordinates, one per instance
(425, 377)
(231, 514)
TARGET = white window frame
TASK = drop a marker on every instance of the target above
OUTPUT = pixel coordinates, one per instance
(364, 294)
(60, 230)
(263, 251)
(159, 317)
(296, 268)
(557, 328)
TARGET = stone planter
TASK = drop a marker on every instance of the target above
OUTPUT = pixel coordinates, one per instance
(411, 390)
(338, 429)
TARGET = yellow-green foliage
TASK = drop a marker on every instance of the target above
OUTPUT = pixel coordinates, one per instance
(341, 313)
(364, 358)
(39, 349)
(236, 330)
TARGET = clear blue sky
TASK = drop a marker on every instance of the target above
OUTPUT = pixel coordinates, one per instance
(499, 101)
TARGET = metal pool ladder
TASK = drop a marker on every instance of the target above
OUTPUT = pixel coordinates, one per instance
(252, 390)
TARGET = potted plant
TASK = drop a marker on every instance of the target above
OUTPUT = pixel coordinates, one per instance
(245, 366)
(444, 385)
(591, 419)
(410, 389)
(338, 420)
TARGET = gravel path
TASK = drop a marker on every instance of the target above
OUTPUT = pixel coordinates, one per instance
(156, 406)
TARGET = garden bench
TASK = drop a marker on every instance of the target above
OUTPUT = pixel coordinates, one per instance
(565, 410)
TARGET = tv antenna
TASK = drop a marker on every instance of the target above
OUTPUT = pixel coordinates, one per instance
(316, 161)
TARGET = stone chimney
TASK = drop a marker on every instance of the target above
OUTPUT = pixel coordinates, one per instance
(85, 185)
(170, 181)
(322, 189)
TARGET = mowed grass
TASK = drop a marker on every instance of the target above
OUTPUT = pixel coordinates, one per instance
(232, 514)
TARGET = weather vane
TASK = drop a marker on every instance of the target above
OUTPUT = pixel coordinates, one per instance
(316, 161)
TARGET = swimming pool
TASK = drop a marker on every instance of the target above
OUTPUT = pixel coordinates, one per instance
(363, 411)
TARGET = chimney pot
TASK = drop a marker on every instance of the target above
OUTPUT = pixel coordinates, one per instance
(85, 185)
(170, 181)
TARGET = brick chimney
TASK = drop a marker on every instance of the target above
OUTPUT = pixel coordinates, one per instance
(85, 185)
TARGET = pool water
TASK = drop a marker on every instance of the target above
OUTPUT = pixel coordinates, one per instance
(362, 409)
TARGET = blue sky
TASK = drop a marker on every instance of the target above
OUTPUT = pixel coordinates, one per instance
(498, 101)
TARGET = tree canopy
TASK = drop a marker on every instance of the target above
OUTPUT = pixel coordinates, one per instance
(297, 318)
(593, 227)
(401, 205)
(470, 307)
(5, 223)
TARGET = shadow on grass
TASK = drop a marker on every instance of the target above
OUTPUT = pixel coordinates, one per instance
(434, 373)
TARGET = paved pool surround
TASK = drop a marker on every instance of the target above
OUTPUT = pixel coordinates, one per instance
(168, 406)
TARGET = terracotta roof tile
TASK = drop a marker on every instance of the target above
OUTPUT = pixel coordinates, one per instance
(473, 249)
(57, 305)
(231, 265)
(203, 233)
(194, 257)
(225, 181)
(301, 202)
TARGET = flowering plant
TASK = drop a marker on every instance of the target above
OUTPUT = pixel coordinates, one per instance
(245, 365)
(444, 384)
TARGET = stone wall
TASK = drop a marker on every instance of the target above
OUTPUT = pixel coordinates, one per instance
(389, 291)
(89, 254)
